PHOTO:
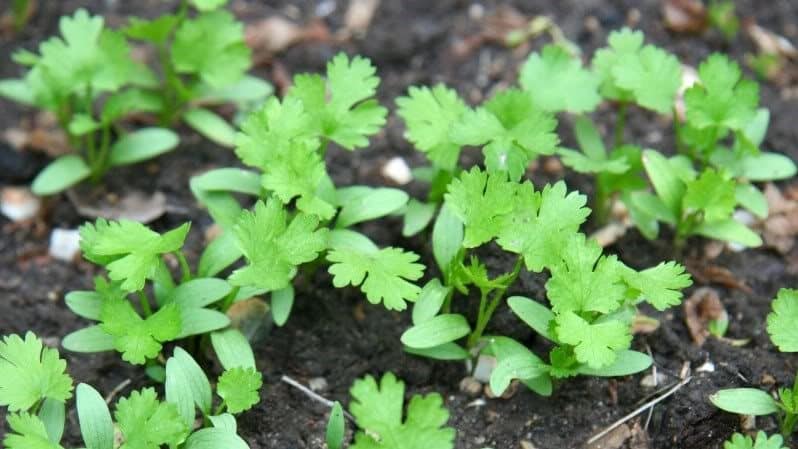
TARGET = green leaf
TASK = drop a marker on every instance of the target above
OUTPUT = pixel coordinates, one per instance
(626, 363)
(129, 250)
(82, 124)
(378, 411)
(86, 304)
(514, 367)
(336, 427)
(156, 31)
(245, 92)
(282, 302)
(782, 320)
(198, 321)
(218, 255)
(665, 179)
(186, 371)
(585, 281)
(767, 167)
(199, 292)
(446, 351)
(273, 247)
(232, 349)
(480, 201)
(595, 344)
(362, 204)
(447, 238)
(215, 438)
(16, 90)
(428, 115)
(745, 401)
(146, 423)
(557, 81)
(225, 421)
(383, 276)
(593, 158)
(504, 348)
(96, 425)
(89, 339)
(136, 338)
(751, 198)
(713, 194)
(342, 108)
(418, 215)
(740, 441)
(142, 144)
(533, 313)
(430, 301)
(228, 180)
(348, 239)
(208, 5)
(555, 214)
(660, 286)
(722, 98)
(212, 47)
(211, 125)
(27, 432)
(511, 129)
(60, 175)
(729, 230)
(53, 414)
(652, 75)
(177, 386)
(239, 388)
(30, 372)
(623, 43)
(436, 331)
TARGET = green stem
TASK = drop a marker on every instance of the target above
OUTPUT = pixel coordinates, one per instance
(788, 424)
(230, 299)
(487, 308)
(447, 302)
(185, 269)
(145, 304)
(601, 203)
(620, 124)
(677, 132)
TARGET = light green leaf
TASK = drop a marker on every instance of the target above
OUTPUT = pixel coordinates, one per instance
(60, 174)
(142, 144)
(436, 331)
(96, 425)
(211, 125)
(745, 401)
(781, 324)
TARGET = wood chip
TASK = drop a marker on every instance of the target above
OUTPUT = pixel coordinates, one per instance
(700, 308)
(134, 205)
(684, 16)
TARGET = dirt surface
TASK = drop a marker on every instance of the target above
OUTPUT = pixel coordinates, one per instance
(335, 334)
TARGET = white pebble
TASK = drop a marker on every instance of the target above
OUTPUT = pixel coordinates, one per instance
(485, 367)
(317, 384)
(64, 244)
(18, 203)
(397, 171)
(707, 367)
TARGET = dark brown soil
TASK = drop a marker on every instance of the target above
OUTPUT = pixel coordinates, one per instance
(334, 333)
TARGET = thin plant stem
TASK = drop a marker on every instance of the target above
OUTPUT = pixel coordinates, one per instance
(230, 299)
(184, 267)
(620, 124)
(487, 308)
(145, 303)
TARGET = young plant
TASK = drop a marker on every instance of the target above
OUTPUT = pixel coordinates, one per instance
(723, 17)
(593, 297)
(379, 412)
(285, 142)
(752, 401)
(89, 81)
(762, 441)
(133, 256)
(38, 387)
(202, 61)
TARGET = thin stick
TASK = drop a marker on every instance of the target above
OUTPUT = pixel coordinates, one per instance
(313, 395)
(639, 410)
(116, 390)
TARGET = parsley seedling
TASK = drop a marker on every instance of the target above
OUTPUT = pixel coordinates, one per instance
(302, 217)
(592, 297)
(379, 411)
(762, 441)
(752, 401)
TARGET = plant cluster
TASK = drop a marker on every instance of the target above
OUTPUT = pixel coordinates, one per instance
(90, 81)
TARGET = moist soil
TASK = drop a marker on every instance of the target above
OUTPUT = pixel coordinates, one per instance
(335, 334)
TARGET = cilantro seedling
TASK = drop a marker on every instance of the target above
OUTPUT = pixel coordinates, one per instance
(302, 218)
(752, 401)
(133, 256)
(87, 79)
(723, 17)
(592, 297)
(379, 411)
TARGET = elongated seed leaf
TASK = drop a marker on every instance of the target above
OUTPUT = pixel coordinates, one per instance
(53, 415)
(232, 349)
(282, 302)
(200, 292)
(96, 425)
(215, 438)
(514, 367)
(335, 427)
(751, 198)
(533, 313)
(369, 205)
(228, 180)
(446, 351)
(196, 321)
(348, 239)
(665, 180)
(729, 230)
(61, 174)
(436, 331)
(745, 401)
(178, 391)
(417, 216)
(210, 125)
(141, 145)
(195, 378)
(88, 339)
(429, 302)
(85, 303)
(219, 254)
(626, 362)
(447, 238)
(768, 167)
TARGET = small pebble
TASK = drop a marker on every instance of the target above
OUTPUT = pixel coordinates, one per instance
(648, 380)
(525, 444)
(471, 386)
(19, 203)
(318, 384)
(707, 367)
(64, 244)
(397, 171)
(476, 11)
